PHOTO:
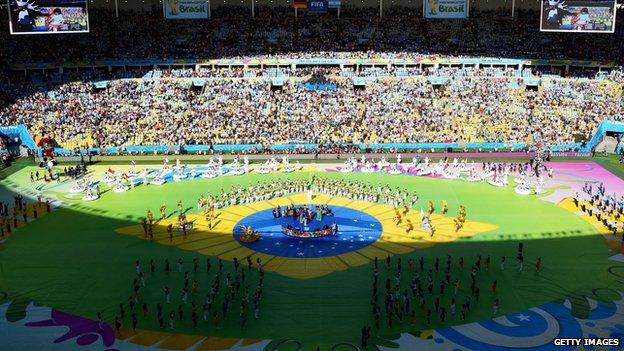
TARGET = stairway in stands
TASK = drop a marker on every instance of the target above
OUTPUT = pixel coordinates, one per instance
(608, 145)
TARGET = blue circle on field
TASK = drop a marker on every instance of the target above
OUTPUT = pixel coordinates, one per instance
(356, 230)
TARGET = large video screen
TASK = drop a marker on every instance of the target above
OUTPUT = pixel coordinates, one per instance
(586, 16)
(48, 16)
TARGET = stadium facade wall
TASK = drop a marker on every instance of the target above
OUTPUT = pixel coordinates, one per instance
(427, 147)
(271, 62)
(27, 140)
(156, 5)
(603, 128)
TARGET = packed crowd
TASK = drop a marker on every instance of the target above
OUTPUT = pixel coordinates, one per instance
(231, 32)
(478, 107)
(482, 105)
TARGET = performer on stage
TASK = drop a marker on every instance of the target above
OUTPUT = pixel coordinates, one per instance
(397, 217)
(410, 227)
(163, 211)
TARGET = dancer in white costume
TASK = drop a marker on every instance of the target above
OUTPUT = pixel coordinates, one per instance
(264, 168)
(291, 167)
(394, 169)
(120, 185)
(439, 168)
(211, 162)
(523, 185)
(80, 186)
(382, 163)
(505, 179)
(211, 173)
(539, 187)
(451, 171)
(159, 179)
(422, 168)
(236, 168)
(109, 176)
(179, 174)
(349, 165)
(472, 174)
(145, 174)
(93, 193)
(368, 167)
(426, 222)
(132, 171)
(497, 180)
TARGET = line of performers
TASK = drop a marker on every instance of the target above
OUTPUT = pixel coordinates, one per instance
(259, 192)
(608, 209)
(364, 192)
(333, 187)
(425, 217)
(183, 225)
(263, 191)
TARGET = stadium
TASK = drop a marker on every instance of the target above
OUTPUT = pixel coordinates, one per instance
(323, 175)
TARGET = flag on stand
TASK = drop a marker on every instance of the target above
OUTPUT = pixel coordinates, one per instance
(300, 4)
(333, 4)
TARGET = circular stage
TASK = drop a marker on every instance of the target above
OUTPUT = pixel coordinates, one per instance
(356, 230)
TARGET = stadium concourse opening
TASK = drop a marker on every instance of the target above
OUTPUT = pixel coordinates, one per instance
(317, 175)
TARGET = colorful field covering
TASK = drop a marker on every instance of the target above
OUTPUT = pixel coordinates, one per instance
(58, 271)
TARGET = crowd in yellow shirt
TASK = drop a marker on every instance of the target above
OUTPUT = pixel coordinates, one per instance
(247, 111)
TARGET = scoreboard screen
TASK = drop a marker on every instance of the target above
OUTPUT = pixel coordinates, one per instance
(585, 16)
(48, 16)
